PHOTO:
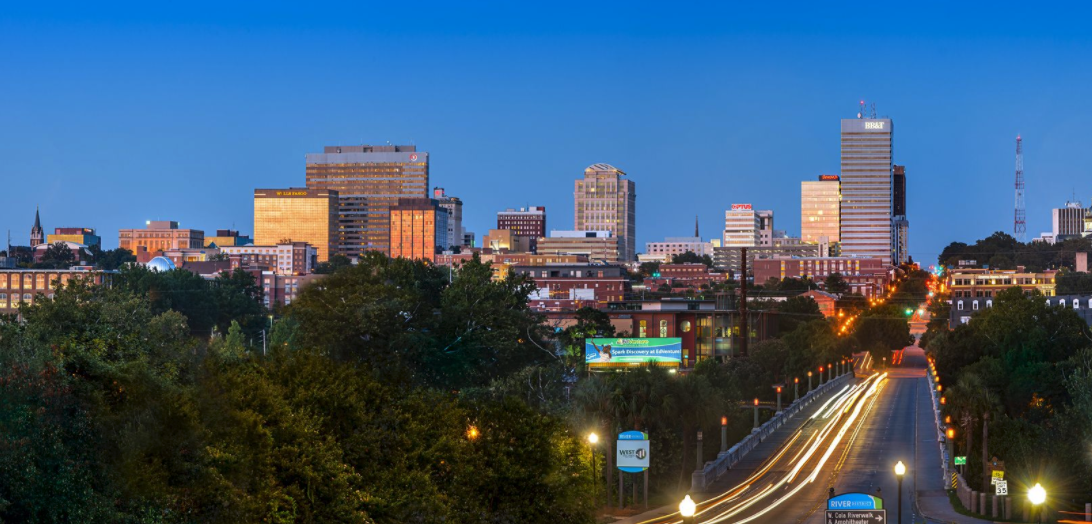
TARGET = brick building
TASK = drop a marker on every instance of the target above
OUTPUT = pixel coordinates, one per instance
(157, 237)
(294, 258)
(25, 286)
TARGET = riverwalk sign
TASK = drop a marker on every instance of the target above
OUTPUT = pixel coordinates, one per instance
(855, 508)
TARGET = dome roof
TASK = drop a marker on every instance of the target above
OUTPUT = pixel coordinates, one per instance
(161, 264)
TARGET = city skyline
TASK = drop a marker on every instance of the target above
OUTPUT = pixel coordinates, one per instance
(711, 132)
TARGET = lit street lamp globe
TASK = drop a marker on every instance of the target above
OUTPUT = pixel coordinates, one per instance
(1037, 495)
(687, 507)
(900, 469)
(593, 438)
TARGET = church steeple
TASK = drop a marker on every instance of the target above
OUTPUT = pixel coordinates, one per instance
(696, 235)
(37, 236)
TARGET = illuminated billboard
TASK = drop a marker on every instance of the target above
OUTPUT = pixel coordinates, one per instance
(741, 207)
(627, 352)
(829, 178)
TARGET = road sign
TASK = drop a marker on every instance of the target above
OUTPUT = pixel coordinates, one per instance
(997, 475)
(1001, 487)
(961, 461)
(864, 516)
(955, 480)
(854, 501)
(632, 451)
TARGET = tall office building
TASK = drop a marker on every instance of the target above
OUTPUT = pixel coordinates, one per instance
(742, 226)
(527, 223)
(899, 223)
(820, 204)
(283, 216)
(418, 228)
(607, 201)
(867, 193)
(1067, 222)
(454, 208)
(765, 227)
(369, 180)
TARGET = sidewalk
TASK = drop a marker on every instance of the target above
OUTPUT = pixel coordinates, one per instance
(932, 498)
(744, 469)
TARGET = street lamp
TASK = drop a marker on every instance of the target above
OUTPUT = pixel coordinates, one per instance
(593, 439)
(1037, 496)
(900, 470)
(795, 389)
(687, 509)
(809, 382)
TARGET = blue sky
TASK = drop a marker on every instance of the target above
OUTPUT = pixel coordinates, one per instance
(111, 115)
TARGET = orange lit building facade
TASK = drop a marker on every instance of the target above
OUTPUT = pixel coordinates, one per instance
(297, 215)
(159, 236)
(418, 226)
(25, 286)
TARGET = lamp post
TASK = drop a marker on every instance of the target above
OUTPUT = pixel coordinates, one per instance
(756, 413)
(1037, 496)
(687, 509)
(779, 399)
(900, 470)
(593, 439)
(830, 371)
(820, 375)
(951, 437)
(809, 382)
(723, 434)
(796, 389)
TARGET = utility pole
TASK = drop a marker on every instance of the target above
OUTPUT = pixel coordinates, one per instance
(745, 333)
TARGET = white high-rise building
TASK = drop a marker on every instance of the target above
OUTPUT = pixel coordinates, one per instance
(742, 226)
(867, 192)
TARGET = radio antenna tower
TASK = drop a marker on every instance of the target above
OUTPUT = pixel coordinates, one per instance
(1019, 225)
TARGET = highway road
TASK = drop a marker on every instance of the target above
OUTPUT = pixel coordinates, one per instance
(850, 444)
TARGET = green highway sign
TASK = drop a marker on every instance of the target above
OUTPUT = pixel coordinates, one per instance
(961, 461)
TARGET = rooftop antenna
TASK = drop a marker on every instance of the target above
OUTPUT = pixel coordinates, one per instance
(873, 110)
(860, 114)
(696, 235)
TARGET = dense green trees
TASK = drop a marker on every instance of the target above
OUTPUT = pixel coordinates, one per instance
(692, 258)
(1002, 251)
(1019, 373)
(113, 408)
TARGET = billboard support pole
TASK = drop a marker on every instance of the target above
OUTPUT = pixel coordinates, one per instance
(621, 490)
(744, 331)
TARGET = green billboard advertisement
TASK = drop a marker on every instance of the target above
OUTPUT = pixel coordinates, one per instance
(626, 352)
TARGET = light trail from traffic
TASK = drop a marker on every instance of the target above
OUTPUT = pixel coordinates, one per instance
(842, 413)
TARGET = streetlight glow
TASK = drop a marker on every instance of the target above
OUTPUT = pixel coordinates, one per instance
(472, 433)
(900, 469)
(593, 438)
(687, 507)
(1037, 495)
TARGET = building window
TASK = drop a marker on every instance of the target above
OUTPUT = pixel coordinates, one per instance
(1061, 302)
(989, 303)
(1076, 303)
(974, 305)
(642, 330)
(663, 329)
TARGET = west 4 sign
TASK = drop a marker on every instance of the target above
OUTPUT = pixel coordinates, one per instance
(865, 516)
(632, 451)
(960, 461)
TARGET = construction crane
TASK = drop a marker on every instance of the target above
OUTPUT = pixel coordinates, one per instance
(1019, 225)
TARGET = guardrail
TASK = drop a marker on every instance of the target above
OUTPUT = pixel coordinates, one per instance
(725, 460)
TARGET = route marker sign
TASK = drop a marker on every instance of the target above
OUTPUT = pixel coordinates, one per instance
(1001, 487)
(866, 516)
(961, 461)
(997, 475)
